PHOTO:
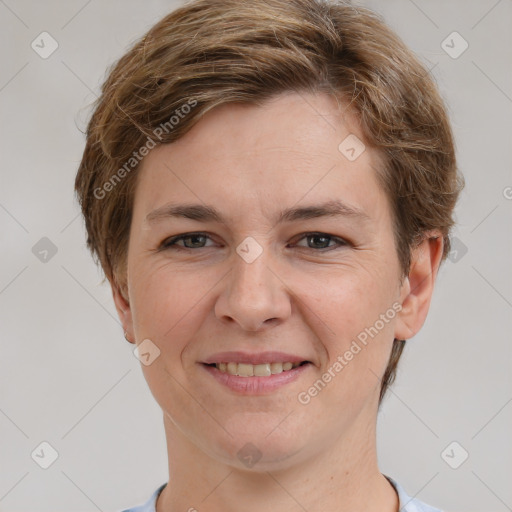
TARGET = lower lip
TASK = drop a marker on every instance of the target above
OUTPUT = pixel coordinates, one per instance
(256, 385)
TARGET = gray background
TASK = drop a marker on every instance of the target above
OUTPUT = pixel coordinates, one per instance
(69, 378)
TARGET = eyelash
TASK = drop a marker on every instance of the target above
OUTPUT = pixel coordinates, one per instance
(171, 242)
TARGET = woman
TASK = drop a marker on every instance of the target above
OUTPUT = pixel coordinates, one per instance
(269, 188)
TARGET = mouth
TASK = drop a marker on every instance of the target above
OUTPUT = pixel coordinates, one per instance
(256, 373)
(256, 378)
(256, 370)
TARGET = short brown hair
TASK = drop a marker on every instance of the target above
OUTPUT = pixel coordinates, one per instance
(212, 52)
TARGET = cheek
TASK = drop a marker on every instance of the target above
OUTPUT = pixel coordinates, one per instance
(166, 310)
(162, 303)
(359, 321)
(348, 300)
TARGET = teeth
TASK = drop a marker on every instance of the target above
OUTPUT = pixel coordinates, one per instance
(255, 370)
(245, 370)
(276, 367)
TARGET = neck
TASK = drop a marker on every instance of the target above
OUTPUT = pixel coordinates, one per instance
(344, 477)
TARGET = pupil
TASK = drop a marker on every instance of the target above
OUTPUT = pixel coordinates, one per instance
(195, 239)
(318, 237)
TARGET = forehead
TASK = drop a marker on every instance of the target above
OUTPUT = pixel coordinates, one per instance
(303, 123)
(294, 147)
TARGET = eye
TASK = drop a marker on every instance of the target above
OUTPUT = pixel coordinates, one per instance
(318, 241)
(321, 241)
(190, 241)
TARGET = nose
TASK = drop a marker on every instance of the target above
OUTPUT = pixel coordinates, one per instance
(253, 295)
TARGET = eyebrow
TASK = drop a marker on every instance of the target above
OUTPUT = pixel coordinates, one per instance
(202, 212)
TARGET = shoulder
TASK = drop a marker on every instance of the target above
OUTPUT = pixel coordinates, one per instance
(408, 504)
(150, 505)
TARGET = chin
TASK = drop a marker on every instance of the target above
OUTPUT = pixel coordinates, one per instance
(260, 449)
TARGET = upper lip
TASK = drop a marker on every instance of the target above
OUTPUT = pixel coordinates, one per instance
(255, 358)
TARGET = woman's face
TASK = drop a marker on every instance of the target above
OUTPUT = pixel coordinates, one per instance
(269, 278)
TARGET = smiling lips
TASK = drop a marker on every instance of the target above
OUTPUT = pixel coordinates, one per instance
(248, 378)
(255, 370)
(262, 364)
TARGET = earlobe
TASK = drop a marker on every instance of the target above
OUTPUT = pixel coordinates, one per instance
(123, 310)
(418, 287)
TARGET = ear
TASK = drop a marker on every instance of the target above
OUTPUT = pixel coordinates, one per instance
(123, 310)
(418, 287)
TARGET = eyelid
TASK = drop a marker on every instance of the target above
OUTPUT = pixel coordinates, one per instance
(341, 241)
(171, 241)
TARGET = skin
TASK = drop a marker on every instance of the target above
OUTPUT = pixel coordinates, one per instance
(250, 162)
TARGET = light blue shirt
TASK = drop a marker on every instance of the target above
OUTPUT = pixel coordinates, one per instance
(406, 503)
